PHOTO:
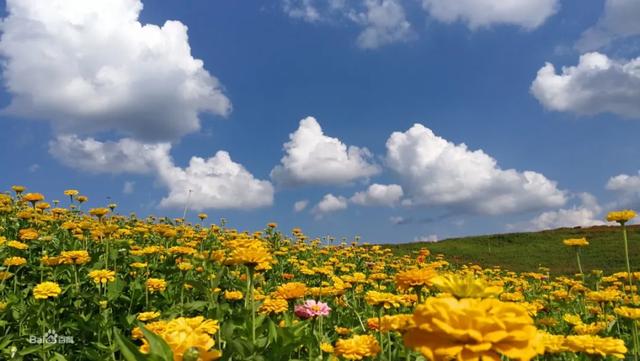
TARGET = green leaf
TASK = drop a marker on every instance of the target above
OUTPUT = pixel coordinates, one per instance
(157, 344)
(128, 350)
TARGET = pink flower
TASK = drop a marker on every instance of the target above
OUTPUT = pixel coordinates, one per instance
(311, 308)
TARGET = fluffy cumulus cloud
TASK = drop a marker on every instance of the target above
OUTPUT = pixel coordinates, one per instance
(378, 195)
(586, 214)
(217, 182)
(328, 204)
(528, 14)
(122, 156)
(619, 20)
(432, 238)
(381, 22)
(315, 158)
(91, 66)
(384, 22)
(300, 205)
(598, 84)
(627, 189)
(436, 172)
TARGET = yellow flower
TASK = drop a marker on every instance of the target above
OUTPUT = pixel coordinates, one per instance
(273, 306)
(188, 336)
(465, 286)
(17, 245)
(291, 291)
(148, 316)
(326, 347)
(14, 261)
(33, 197)
(399, 323)
(608, 295)
(99, 212)
(102, 276)
(417, 277)
(156, 284)
(46, 290)
(357, 347)
(383, 299)
(549, 343)
(466, 329)
(628, 312)
(18, 189)
(621, 216)
(576, 242)
(572, 319)
(28, 234)
(232, 295)
(75, 257)
(71, 192)
(595, 345)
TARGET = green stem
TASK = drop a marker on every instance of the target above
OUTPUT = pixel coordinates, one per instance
(253, 307)
(579, 264)
(626, 255)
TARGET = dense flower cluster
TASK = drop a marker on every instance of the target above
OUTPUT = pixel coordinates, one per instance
(210, 291)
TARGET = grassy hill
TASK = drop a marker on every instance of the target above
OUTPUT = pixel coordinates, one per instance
(528, 251)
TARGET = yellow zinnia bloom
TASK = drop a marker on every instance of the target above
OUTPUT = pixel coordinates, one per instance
(465, 286)
(595, 345)
(576, 242)
(466, 329)
(357, 347)
(621, 216)
(102, 276)
(46, 290)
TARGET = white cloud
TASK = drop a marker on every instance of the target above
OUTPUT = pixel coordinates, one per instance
(585, 215)
(436, 172)
(627, 189)
(301, 9)
(217, 182)
(384, 22)
(619, 20)
(528, 14)
(91, 66)
(314, 158)
(124, 156)
(378, 195)
(597, 84)
(329, 203)
(34, 167)
(128, 187)
(299, 206)
(432, 238)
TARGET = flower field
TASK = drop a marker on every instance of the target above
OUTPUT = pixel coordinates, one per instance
(79, 283)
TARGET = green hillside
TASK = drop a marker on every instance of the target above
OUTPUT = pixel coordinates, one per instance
(528, 251)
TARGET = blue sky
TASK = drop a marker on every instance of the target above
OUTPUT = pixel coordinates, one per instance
(95, 99)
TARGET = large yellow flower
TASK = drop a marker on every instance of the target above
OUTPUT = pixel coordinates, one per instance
(46, 290)
(576, 242)
(185, 335)
(628, 312)
(75, 257)
(14, 261)
(291, 291)
(465, 286)
(417, 277)
(357, 347)
(621, 216)
(273, 306)
(469, 329)
(102, 276)
(595, 345)
(156, 284)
